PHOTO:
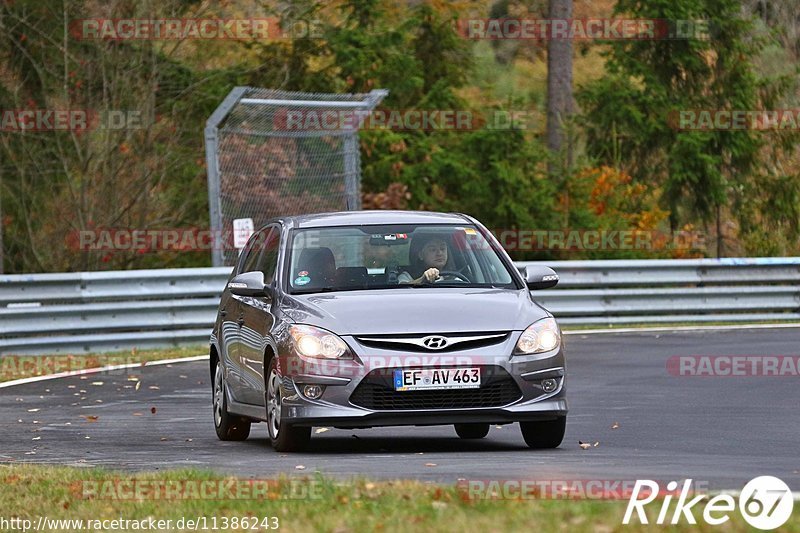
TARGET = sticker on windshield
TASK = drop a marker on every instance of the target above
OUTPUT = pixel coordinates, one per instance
(470, 231)
(302, 280)
(303, 273)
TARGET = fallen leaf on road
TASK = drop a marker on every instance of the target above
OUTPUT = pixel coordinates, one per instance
(430, 464)
(97, 383)
(90, 418)
(138, 384)
(33, 410)
(36, 438)
(615, 425)
(154, 387)
(163, 439)
(137, 414)
(299, 467)
(153, 410)
(596, 444)
(584, 445)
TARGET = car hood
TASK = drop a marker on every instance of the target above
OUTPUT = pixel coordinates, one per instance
(413, 310)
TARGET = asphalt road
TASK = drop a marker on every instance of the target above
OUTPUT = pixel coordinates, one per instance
(720, 431)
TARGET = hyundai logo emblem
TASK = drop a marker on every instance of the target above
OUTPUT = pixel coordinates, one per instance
(434, 342)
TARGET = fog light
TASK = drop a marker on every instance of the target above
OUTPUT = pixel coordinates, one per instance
(549, 385)
(312, 392)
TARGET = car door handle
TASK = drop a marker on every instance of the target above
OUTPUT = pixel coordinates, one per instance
(240, 321)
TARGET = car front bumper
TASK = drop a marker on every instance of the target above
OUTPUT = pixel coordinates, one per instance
(341, 378)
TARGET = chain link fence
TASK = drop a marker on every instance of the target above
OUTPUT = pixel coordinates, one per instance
(272, 153)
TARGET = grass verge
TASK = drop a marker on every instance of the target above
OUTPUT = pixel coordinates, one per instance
(26, 366)
(312, 503)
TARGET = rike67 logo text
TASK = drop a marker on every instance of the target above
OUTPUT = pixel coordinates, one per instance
(765, 503)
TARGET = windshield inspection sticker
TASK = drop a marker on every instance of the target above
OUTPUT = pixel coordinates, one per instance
(302, 279)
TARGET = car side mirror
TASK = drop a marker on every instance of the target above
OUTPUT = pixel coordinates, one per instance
(249, 284)
(539, 277)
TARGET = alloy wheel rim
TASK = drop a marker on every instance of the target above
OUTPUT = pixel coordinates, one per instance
(273, 404)
(218, 391)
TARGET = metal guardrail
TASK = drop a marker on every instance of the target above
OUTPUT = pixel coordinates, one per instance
(109, 311)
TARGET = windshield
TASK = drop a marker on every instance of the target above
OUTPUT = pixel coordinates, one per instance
(393, 256)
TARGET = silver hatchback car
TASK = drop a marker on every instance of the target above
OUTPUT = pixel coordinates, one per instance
(384, 318)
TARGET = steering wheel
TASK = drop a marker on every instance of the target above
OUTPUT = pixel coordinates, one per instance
(457, 275)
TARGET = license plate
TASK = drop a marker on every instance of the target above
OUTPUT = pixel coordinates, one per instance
(437, 378)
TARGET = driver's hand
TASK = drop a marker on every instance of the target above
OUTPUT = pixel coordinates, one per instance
(431, 275)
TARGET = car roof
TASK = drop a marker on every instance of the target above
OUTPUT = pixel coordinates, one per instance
(357, 218)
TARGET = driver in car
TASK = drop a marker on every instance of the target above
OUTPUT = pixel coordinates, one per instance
(428, 255)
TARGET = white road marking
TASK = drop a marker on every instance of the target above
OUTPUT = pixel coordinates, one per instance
(86, 371)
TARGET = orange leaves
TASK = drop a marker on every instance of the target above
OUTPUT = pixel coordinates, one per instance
(612, 194)
(396, 196)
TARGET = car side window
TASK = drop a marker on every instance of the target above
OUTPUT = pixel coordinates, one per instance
(252, 252)
(268, 259)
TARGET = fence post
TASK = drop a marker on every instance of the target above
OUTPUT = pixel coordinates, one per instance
(212, 168)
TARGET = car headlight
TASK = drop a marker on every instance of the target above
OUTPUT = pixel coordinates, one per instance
(541, 336)
(311, 341)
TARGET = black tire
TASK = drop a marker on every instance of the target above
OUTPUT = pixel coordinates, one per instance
(282, 436)
(472, 431)
(544, 435)
(228, 426)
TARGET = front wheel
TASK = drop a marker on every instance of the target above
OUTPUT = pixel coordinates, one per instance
(283, 437)
(228, 426)
(472, 431)
(544, 435)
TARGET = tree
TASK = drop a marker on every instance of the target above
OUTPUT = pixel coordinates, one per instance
(559, 89)
(628, 111)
